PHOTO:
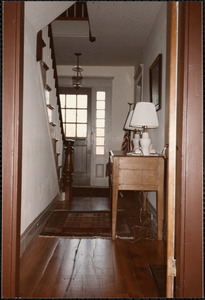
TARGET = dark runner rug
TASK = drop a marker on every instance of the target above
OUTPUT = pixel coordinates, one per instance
(84, 224)
(90, 192)
(158, 273)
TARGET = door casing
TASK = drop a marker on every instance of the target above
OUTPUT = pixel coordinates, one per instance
(189, 188)
(12, 156)
(13, 41)
(82, 146)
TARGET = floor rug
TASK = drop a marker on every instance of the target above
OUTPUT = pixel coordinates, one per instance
(84, 224)
(158, 273)
(90, 192)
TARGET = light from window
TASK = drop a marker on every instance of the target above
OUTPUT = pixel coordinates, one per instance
(100, 123)
(74, 115)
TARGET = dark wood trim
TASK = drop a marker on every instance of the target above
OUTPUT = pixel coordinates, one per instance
(39, 46)
(180, 203)
(72, 19)
(47, 87)
(13, 43)
(189, 197)
(55, 140)
(76, 12)
(56, 79)
(50, 106)
(36, 226)
(44, 65)
(52, 124)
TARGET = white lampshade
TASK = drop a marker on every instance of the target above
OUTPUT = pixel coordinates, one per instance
(127, 122)
(144, 115)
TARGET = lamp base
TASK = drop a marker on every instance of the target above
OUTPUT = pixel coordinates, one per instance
(145, 143)
(135, 142)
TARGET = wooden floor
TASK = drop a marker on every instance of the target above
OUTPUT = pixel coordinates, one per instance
(90, 268)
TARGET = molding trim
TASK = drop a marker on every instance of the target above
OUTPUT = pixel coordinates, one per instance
(36, 226)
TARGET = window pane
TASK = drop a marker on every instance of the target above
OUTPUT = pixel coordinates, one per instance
(81, 130)
(100, 141)
(70, 130)
(100, 114)
(100, 123)
(100, 95)
(71, 101)
(82, 116)
(99, 150)
(100, 104)
(70, 115)
(100, 132)
(63, 114)
(62, 100)
(82, 101)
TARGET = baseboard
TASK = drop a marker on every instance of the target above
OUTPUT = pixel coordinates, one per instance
(36, 226)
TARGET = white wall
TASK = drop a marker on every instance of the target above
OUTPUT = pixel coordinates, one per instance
(39, 178)
(122, 93)
(155, 44)
(41, 13)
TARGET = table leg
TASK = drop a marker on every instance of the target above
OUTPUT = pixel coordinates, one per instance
(114, 211)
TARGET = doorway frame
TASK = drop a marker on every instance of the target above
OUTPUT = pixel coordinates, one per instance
(189, 172)
(79, 141)
(13, 50)
(12, 154)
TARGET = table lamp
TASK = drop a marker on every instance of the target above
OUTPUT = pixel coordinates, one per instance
(127, 126)
(144, 116)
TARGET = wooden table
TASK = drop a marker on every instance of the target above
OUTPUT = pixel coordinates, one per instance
(140, 173)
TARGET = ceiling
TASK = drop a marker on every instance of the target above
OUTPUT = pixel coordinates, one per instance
(120, 27)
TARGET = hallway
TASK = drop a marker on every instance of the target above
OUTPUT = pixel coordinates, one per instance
(53, 267)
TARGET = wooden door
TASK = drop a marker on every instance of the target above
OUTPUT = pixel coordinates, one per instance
(76, 114)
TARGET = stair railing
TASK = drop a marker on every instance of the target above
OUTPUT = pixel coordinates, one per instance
(62, 147)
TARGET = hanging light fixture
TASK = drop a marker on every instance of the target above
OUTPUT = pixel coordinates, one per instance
(77, 77)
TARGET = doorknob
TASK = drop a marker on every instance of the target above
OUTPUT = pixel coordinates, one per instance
(164, 151)
(89, 152)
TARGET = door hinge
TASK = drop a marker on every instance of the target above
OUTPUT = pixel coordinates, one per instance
(171, 268)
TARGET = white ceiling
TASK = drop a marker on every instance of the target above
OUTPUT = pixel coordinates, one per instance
(120, 27)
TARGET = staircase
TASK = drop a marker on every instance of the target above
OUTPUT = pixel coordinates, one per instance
(62, 148)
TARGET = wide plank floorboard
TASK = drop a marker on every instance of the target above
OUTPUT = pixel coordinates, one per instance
(81, 268)
(54, 267)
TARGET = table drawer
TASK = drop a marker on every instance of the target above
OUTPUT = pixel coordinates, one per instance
(150, 177)
(130, 163)
(139, 163)
(138, 177)
(130, 177)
